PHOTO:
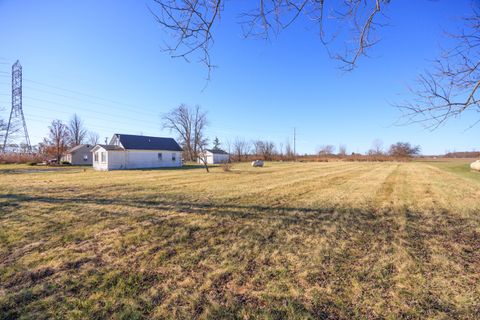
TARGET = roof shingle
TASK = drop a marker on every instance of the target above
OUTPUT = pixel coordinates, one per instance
(217, 151)
(134, 142)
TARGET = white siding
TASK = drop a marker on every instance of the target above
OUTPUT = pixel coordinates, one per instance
(98, 164)
(136, 159)
(116, 159)
(220, 158)
(213, 158)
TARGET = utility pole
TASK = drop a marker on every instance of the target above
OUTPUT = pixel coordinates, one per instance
(17, 127)
(294, 144)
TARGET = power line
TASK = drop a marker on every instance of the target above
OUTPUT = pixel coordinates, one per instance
(103, 119)
(85, 109)
(47, 119)
(82, 100)
(110, 115)
(136, 108)
(131, 107)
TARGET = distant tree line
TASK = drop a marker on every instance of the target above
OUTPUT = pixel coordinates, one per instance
(242, 150)
(462, 154)
(190, 123)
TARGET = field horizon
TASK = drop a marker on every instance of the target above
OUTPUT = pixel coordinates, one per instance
(330, 240)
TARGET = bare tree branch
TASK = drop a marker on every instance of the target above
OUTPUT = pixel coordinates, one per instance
(452, 88)
(191, 24)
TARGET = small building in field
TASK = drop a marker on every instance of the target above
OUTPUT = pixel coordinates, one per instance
(127, 151)
(80, 155)
(214, 156)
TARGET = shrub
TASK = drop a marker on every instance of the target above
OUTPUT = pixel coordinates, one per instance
(226, 166)
(13, 157)
(65, 163)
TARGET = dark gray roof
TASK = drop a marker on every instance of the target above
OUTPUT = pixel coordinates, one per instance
(110, 147)
(80, 146)
(129, 141)
(217, 151)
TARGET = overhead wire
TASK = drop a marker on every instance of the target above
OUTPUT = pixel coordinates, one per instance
(115, 113)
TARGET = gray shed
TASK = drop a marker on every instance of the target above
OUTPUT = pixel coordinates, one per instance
(79, 155)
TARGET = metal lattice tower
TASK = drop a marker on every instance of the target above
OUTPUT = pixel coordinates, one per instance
(16, 137)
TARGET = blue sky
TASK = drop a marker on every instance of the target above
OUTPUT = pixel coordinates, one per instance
(103, 61)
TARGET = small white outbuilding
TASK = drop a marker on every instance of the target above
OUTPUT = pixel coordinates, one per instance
(214, 156)
(137, 152)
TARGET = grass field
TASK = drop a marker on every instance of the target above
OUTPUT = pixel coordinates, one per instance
(332, 240)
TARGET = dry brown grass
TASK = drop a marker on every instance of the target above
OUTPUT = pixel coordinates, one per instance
(287, 241)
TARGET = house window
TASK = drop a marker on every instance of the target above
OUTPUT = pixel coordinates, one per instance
(174, 157)
(85, 157)
(103, 156)
(95, 156)
(160, 156)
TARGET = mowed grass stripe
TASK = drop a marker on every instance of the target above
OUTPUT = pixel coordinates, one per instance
(137, 179)
(358, 192)
(296, 188)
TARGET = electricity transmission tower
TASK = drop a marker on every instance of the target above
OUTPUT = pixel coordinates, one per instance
(16, 137)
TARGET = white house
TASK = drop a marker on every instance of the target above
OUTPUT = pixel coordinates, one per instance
(137, 152)
(214, 156)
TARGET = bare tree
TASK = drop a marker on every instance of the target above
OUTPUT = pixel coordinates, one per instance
(179, 121)
(265, 149)
(342, 150)
(240, 149)
(58, 139)
(77, 131)
(192, 23)
(229, 146)
(190, 124)
(93, 138)
(326, 150)
(268, 150)
(257, 146)
(452, 87)
(200, 123)
(377, 148)
(289, 151)
(200, 141)
(404, 150)
(280, 150)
